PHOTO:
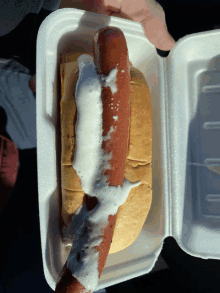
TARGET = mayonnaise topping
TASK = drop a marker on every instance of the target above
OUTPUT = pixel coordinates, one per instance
(90, 162)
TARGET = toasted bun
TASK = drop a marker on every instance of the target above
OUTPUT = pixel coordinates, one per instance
(133, 213)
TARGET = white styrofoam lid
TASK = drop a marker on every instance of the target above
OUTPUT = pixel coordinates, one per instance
(193, 123)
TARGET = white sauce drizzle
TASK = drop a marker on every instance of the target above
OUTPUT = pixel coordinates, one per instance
(90, 161)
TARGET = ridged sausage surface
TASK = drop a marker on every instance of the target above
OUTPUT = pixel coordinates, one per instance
(110, 52)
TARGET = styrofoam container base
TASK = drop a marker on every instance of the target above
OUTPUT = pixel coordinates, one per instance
(185, 93)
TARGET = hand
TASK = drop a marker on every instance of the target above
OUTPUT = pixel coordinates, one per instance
(148, 12)
(8, 169)
(32, 83)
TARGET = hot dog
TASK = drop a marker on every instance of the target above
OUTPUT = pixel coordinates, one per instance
(106, 190)
(111, 59)
(137, 166)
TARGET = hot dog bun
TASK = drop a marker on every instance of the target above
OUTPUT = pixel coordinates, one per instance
(132, 214)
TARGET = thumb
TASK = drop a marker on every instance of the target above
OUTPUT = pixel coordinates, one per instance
(148, 12)
(155, 28)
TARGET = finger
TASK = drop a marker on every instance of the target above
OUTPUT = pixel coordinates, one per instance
(148, 12)
(155, 27)
(157, 34)
(152, 17)
(120, 15)
(32, 83)
(107, 7)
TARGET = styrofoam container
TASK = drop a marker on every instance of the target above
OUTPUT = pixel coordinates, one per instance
(185, 93)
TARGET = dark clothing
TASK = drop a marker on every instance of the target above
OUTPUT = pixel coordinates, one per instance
(20, 43)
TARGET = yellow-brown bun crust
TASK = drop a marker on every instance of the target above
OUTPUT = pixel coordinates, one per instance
(133, 213)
